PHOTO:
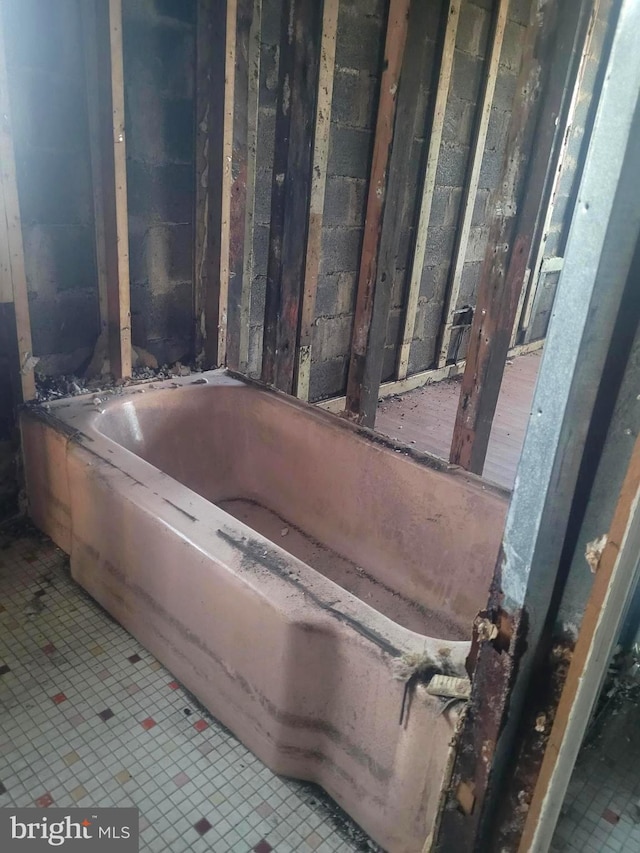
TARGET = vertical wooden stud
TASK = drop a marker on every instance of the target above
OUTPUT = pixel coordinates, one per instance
(395, 40)
(316, 204)
(536, 126)
(291, 188)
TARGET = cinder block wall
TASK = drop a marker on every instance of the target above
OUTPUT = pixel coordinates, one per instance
(159, 57)
(49, 111)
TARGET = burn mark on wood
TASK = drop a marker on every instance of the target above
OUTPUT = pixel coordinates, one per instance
(291, 188)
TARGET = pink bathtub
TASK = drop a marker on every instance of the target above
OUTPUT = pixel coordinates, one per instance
(282, 564)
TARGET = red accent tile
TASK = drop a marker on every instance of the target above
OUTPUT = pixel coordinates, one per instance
(201, 725)
(58, 698)
(76, 720)
(263, 847)
(181, 779)
(205, 748)
(132, 688)
(49, 649)
(202, 826)
(610, 816)
(44, 801)
(134, 658)
(174, 685)
(104, 674)
(149, 723)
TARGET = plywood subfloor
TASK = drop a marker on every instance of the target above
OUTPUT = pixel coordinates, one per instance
(425, 417)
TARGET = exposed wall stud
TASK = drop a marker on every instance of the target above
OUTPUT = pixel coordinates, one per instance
(471, 184)
(316, 204)
(396, 35)
(545, 86)
(291, 188)
(429, 184)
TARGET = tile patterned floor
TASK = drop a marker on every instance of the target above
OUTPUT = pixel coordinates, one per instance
(599, 814)
(88, 717)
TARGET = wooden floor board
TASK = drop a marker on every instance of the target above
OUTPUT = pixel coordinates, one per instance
(424, 418)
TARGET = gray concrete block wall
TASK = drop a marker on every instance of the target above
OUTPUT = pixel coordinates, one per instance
(159, 57)
(359, 50)
(472, 46)
(50, 126)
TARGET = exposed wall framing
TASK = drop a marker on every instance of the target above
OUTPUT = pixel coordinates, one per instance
(318, 189)
(360, 403)
(291, 190)
(429, 183)
(546, 83)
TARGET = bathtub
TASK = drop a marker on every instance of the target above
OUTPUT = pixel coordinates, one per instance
(285, 566)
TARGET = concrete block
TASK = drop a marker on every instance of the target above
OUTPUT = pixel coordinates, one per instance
(258, 294)
(354, 98)
(433, 282)
(266, 139)
(161, 193)
(54, 188)
(271, 22)
(178, 10)
(349, 151)
(446, 206)
(506, 89)
(458, 121)
(471, 273)
(491, 169)
(481, 208)
(65, 323)
(59, 259)
(421, 355)
(359, 40)
(269, 61)
(473, 29)
(160, 55)
(161, 255)
(520, 11)
(511, 53)
(497, 130)
(439, 245)
(344, 201)
(260, 249)
(467, 76)
(163, 323)
(477, 245)
(368, 8)
(332, 337)
(328, 378)
(452, 166)
(340, 250)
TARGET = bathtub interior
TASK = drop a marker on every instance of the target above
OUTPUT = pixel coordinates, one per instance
(416, 543)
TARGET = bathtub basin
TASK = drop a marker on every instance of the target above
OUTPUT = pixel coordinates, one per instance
(284, 565)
